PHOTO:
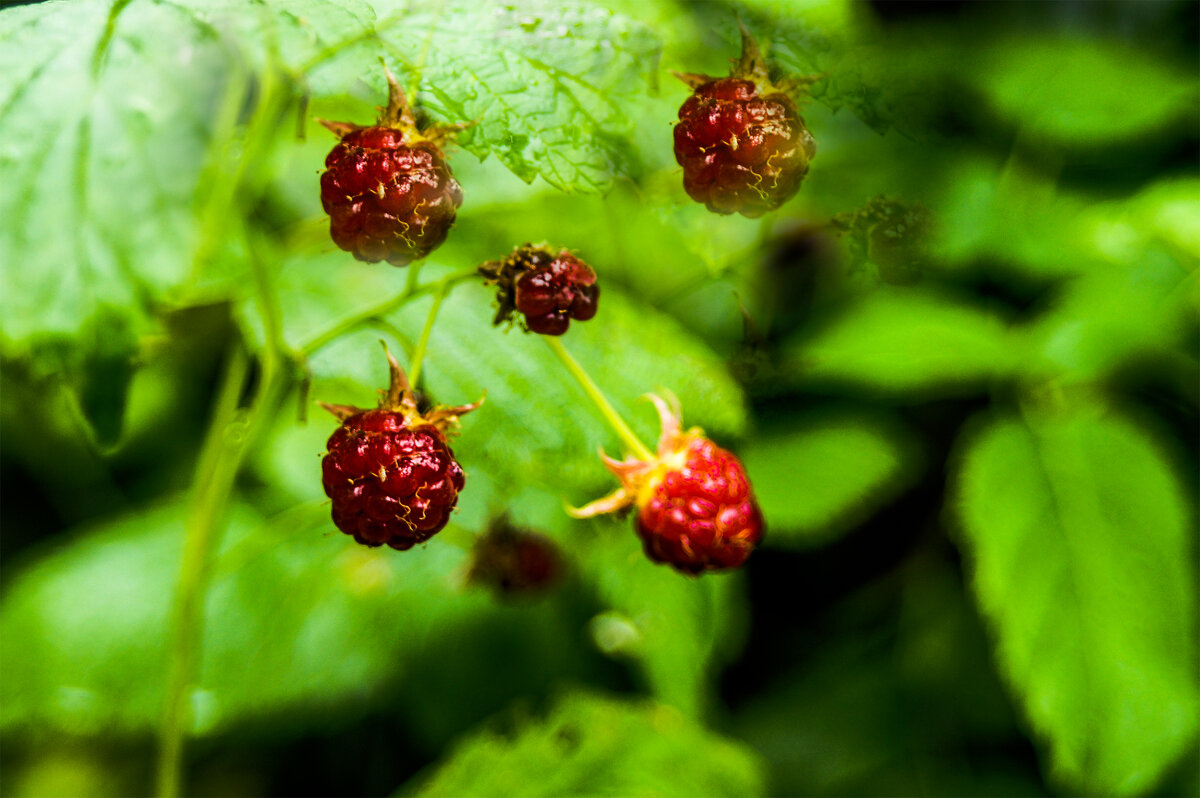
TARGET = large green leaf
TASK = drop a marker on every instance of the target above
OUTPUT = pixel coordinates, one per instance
(819, 473)
(905, 341)
(537, 426)
(677, 628)
(1078, 91)
(297, 618)
(1078, 531)
(545, 82)
(590, 745)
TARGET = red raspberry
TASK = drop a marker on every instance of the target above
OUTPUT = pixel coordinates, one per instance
(391, 475)
(514, 562)
(387, 188)
(741, 142)
(547, 289)
(696, 509)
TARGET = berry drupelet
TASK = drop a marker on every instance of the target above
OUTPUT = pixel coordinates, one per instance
(741, 141)
(548, 290)
(390, 473)
(695, 507)
(387, 188)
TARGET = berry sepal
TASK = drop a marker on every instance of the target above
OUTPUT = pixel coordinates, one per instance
(696, 509)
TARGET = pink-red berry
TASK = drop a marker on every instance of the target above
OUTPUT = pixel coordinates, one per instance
(391, 475)
(741, 141)
(387, 188)
(695, 508)
(547, 289)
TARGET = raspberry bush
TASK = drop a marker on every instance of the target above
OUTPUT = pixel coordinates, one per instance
(939, 515)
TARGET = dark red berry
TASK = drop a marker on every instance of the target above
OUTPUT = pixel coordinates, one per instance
(547, 289)
(695, 507)
(387, 188)
(390, 473)
(513, 561)
(741, 141)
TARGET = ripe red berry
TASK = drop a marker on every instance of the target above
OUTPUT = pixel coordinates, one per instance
(547, 289)
(695, 508)
(390, 473)
(741, 142)
(387, 188)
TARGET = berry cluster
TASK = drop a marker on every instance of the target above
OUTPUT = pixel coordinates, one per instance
(548, 290)
(389, 471)
(387, 188)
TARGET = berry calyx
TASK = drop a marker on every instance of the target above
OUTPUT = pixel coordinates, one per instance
(387, 188)
(389, 471)
(548, 290)
(695, 508)
(741, 141)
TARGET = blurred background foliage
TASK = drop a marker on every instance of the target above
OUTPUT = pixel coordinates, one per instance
(961, 367)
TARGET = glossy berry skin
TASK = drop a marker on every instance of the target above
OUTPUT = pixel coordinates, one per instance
(702, 515)
(389, 194)
(550, 295)
(741, 152)
(390, 483)
(695, 508)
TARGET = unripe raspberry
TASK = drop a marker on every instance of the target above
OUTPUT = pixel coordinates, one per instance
(741, 142)
(390, 473)
(695, 508)
(548, 290)
(387, 188)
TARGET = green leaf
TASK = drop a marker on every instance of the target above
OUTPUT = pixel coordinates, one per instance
(590, 745)
(677, 628)
(1084, 91)
(537, 426)
(905, 341)
(1079, 534)
(546, 84)
(85, 628)
(816, 474)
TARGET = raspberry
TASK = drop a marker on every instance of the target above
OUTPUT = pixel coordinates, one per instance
(696, 509)
(741, 142)
(547, 289)
(391, 475)
(387, 188)
(514, 562)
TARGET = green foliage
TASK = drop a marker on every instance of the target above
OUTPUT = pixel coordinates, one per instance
(905, 341)
(820, 473)
(1095, 628)
(159, 210)
(590, 745)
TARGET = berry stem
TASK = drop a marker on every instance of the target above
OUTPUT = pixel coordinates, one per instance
(631, 441)
(418, 355)
(409, 293)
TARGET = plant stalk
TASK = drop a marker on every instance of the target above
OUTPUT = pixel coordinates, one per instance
(631, 441)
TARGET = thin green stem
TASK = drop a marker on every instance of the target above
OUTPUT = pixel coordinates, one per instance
(365, 315)
(414, 367)
(213, 471)
(614, 419)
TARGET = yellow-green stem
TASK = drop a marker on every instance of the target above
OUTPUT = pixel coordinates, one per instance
(418, 356)
(631, 441)
(410, 292)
